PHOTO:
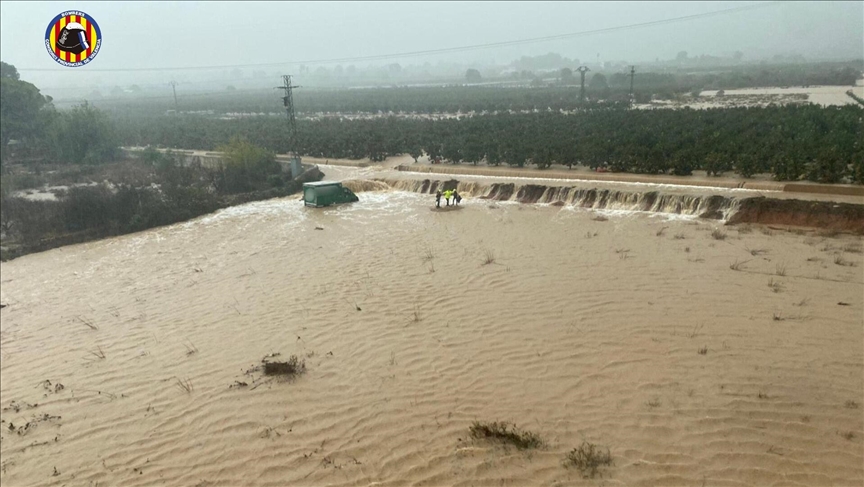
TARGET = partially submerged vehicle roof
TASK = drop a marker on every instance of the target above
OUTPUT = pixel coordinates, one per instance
(321, 183)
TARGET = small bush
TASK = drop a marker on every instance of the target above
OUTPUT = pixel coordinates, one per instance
(504, 432)
(718, 234)
(588, 458)
(293, 367)
(275, 181)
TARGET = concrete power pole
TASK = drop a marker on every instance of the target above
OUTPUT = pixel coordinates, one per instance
(632, 73)
(582, 70)
(288, 101)
(174, 89)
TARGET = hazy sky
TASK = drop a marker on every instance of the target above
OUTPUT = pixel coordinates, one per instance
(185, 34)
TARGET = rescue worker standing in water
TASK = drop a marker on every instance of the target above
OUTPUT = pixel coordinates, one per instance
(438, 199)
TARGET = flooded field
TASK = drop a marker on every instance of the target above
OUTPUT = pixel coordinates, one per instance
(697, 353)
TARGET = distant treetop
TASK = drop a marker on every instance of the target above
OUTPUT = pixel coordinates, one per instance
(8, 71)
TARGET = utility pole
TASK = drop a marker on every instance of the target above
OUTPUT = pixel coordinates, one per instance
(582, 70)
(174, 88)
(632, 73)
(288, 101)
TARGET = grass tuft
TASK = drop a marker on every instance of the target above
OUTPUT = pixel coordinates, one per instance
(428, 254)
(776, 286)
(588, 458)
(87, 323)
(703, 351)
(661, 231)
(736, 266)
(696, 330)
(488, 257)
(780, 269)
(504, 432)
(184, 384)
(718, 234)
(98, 353)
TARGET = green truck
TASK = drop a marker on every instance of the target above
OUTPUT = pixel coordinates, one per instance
(326, 193)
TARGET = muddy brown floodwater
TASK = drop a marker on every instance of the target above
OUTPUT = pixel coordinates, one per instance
(697, 353)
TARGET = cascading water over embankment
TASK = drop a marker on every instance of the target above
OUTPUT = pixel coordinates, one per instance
(731, 209)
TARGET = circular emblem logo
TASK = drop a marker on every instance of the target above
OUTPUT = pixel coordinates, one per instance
(73, 38)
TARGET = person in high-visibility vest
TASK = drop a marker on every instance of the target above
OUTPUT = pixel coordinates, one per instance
(447, 195)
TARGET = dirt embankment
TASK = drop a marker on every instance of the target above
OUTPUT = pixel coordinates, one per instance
(727, 183)
(844, 217)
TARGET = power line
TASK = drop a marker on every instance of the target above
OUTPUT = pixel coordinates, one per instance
(442, 50)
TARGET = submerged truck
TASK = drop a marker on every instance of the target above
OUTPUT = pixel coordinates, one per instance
(326, 193)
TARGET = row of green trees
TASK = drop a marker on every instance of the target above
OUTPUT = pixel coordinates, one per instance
(789, 142)
(559, 91)
(421, 100)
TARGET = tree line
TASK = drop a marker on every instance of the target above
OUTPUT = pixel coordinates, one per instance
(80, 135)
(823, 144)
(555, 91)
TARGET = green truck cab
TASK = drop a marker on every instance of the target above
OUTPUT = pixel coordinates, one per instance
(326, 193)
